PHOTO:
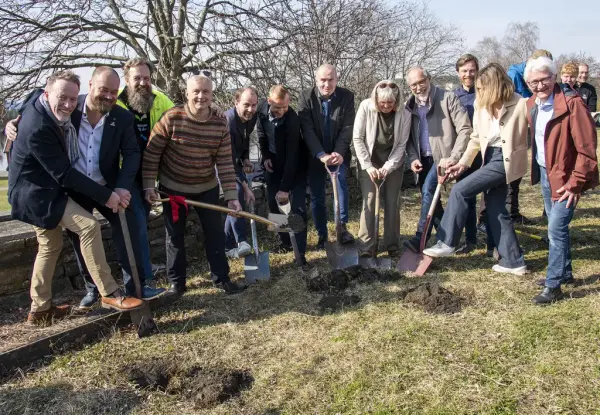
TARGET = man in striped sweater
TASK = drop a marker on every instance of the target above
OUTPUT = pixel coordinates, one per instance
(184, 146)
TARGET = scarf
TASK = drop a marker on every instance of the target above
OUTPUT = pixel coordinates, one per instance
(69, 131)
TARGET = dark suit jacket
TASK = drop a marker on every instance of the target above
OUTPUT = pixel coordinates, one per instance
(311, 120)
(118, 140)
(240, 146)
(289, 162)
(40, 172)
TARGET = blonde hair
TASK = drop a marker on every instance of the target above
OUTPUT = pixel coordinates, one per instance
(570, 69)
(278, 92)
(66, 75)
(387, 93)
(541, 52)
(493, 85)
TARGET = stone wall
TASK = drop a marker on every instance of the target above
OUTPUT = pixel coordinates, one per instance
(18, 248)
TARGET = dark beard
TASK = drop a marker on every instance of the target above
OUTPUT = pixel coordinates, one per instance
(102, 105)
(140, 99)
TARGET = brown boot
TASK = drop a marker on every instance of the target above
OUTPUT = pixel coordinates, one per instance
(60, 311)
(118, 301)
(40, 318)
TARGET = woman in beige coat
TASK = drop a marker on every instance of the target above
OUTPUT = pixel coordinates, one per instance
(500, 133)
(381, 130)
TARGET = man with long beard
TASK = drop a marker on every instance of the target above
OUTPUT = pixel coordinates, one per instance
(147, 106)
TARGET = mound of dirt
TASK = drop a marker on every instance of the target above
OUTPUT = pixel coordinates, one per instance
(339, 279)
(434, 298)
(334, 303)
(206, 387)
(336, 280)
(296, 223)
(209, 387)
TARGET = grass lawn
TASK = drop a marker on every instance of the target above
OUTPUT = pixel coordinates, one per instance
(4, 206)
(499, 355)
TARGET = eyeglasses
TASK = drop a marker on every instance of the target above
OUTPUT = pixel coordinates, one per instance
(542, 82)
(387, 85)
(422, 83)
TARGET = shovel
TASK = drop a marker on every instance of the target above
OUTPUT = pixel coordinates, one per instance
(374, 262)
(294, 223)
(418, 263)
(340, 256)
(256, 266)
(286, 208)
(141, 317)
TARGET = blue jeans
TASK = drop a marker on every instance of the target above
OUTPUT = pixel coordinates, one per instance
(428, 182)
(491, 180)
(317, 179)
(235, 228)
(141, 210)
(559, 217)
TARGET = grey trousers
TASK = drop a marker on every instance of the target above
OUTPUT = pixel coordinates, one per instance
(390, 195)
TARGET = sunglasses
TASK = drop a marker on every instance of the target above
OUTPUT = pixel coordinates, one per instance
(203, 72)
(387, 85)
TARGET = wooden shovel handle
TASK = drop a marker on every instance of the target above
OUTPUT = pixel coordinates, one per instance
(228, 211)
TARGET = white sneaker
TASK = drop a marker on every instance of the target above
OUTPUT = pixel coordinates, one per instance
(243, 249)
(440, 249)
(517, 271)
(232, 253)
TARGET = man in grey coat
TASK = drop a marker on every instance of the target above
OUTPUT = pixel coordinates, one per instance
(440, 132)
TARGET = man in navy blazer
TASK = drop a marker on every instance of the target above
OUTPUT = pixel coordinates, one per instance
(110, 156)
(42, 178)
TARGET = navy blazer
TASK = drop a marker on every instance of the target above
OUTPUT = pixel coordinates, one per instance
(119, 139)
(312, 122)
(41, 174)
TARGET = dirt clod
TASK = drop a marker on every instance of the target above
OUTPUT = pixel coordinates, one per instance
(336, 302)
(434, 298)
(296, 223)
(206, 387)
(336, 280)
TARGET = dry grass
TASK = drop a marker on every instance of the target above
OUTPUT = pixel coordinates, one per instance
(4, 206)
(500, 355)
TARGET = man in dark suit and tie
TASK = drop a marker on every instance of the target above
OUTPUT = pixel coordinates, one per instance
(326, 120)
(42, 177)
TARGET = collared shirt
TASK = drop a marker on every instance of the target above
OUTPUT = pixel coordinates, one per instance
(544, 115)
(424, 143)
(326, 113)
(89, 140)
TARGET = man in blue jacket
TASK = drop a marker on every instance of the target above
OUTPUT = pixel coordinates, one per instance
(241, 120)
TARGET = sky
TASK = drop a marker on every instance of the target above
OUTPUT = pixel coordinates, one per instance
(563, 29)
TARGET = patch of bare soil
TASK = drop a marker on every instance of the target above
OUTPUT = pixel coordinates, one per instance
(340, 279)
(434, 298)
(206, 387)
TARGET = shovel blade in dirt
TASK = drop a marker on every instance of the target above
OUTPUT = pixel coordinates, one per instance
(379, 262)
(256, 267)
(281, 219)
(413, 262)
(340, 256)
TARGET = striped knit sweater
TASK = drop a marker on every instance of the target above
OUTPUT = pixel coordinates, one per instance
(182, 153)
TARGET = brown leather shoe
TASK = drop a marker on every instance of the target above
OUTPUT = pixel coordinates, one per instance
(60, 311)
(121, 303)
(40, 318)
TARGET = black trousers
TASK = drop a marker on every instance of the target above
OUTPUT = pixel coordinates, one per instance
(214, 237)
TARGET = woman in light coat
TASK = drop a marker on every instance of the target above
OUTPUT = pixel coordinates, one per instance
(500, 133)
(381, 131)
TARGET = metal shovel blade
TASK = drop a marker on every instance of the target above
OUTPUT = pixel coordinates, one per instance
(379, 262)
(413, 262)
(281, 219)
(340, 256)
(256, 268)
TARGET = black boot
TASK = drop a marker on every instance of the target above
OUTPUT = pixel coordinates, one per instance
(176, 289)
(321, 243)
(229, 287)
(548, 296)
(347, 237)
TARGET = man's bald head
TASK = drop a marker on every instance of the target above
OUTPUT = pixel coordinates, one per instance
(199, 93)
(326, 79)
(104, 89)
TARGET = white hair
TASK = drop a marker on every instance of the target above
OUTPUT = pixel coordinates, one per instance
(387, 94)
(541, 64)
(426, 73)
(326, 66)
(198, 78)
